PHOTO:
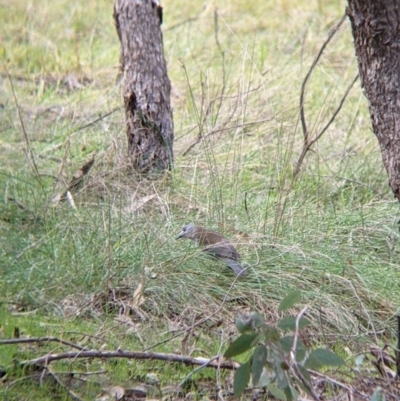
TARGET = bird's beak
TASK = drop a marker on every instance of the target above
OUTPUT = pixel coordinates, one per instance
(180, 235)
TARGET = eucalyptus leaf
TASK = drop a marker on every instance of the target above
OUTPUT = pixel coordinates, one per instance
(267, 376)
(240, 345)
(257, 319)
(271, 334)
(289, 323)
(289, 300)
(281, 377)
(313, 362)
(276, 392)
(287, 343)
(290, 393)
(326, 357)
(259, 358)
(241, 379)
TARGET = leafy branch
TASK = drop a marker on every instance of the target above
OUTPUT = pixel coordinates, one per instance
(280, 363)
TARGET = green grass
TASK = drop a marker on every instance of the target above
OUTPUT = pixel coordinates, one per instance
(332, 232)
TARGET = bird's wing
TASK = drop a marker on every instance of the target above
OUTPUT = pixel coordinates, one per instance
(222, 250)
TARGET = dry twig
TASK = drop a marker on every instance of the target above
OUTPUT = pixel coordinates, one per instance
(308, 142)
(295, 366)
(212, 363)
(41, 340)
(71, 393)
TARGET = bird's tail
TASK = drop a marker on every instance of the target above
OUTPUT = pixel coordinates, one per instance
(236, 267)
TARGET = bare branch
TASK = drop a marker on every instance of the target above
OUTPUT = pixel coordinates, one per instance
(336, 111)
(96, 120)
(41, 340)
(296, 333)
(350, 389)
(212, 363)
(186, 21)
(72, 394)
(309, 142)
(213, 131)
(303, 86)
(220, 128)
(296, 369)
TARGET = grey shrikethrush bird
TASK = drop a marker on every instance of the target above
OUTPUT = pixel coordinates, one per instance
(214, 244)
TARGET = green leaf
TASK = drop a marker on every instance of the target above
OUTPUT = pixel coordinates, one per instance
(286, 344)
(289, 300)
(378, 395)
(267, 376)
(241, 379)
(289, 323)
(271, 334)
(240, 345)
(258, 320)
(290, 393)
(259, 358)
(313, 362)
(276, 392)
(326, 357)
(281, 377)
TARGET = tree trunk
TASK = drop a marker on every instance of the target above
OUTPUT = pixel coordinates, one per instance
(375, 26)
(148, 112)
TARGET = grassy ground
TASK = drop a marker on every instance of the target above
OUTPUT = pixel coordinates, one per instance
(236, 73)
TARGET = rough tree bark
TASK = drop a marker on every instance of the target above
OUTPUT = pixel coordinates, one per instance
(148, 112)
(376, 31)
